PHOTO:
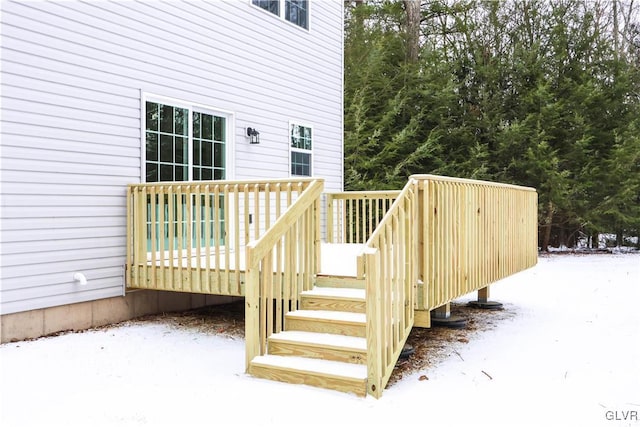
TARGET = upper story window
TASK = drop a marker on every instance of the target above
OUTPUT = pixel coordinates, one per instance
(301, 150)
(295, 11)
(184, 142)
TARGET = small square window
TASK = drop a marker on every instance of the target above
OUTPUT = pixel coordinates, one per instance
(300, 164)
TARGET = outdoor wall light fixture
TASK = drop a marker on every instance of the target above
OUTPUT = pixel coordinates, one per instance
(254, 136)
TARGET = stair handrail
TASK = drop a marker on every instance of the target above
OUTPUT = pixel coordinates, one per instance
(389, 266)
(290, 251)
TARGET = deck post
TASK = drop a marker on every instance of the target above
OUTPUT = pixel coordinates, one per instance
(441, 316)
(483, 300)
(483, 294)
(252, 312)
(374, 313)
(442, 312)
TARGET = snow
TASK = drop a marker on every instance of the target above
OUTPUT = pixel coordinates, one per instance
(332, 340)
(568, 356)
(337, 292)
(329, 315)
(346, 253)
(331, 367)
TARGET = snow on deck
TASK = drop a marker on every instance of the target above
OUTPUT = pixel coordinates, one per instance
(336, 292)
(330, 315)
(340, 259)
(333, 340)
(329, 367)
(336, 259)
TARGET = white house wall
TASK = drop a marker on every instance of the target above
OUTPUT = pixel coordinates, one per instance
(73, 78)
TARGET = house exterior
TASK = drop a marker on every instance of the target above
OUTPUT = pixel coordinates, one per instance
(98, 95)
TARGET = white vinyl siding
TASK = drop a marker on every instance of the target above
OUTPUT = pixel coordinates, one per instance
(73, 78)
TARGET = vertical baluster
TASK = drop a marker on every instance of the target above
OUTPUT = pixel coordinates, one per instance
(207, 233)
(226, 236)
(217, 237)
(153, 246)
(236, 234)
(279, 272)
(197, 195)
(188, 200)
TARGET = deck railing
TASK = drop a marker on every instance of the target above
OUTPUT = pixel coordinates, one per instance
(441, 239)
(190, 236)
(390, 271)
(281, 264)
(352, 216)
(472, 233)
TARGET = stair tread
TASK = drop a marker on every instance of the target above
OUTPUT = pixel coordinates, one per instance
(336, 292)
(320, 338)
(318, 366)
(345, 316)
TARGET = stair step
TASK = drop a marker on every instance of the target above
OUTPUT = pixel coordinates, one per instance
(340, 282)
(346, 377)
(334, 299)
(325, 321)
(319, 345)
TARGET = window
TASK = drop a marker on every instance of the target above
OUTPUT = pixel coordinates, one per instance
(301, 150)
(295, 11)
(184, 143)
(272, 6)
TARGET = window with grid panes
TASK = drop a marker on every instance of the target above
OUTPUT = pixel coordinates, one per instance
(295, 11)
(183, 144)
(301, 150)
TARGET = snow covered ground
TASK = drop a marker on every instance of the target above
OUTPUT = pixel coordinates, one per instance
(569, 356)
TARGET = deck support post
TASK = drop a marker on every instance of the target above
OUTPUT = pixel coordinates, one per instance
(483, 294)
(441, 316)
(442, 312)
(483, 300)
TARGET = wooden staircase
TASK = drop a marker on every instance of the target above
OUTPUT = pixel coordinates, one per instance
(323, 343)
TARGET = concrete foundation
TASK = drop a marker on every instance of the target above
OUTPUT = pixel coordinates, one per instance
(81, 316)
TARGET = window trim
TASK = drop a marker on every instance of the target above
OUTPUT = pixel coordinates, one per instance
(301, 150)
(281, 13)
(191, 106)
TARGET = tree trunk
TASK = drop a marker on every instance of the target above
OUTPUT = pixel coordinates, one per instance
(616, 30)
(413, 16)
(547, 231)
(562, 238)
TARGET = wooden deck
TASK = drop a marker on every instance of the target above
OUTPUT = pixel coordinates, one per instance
(332, 313)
